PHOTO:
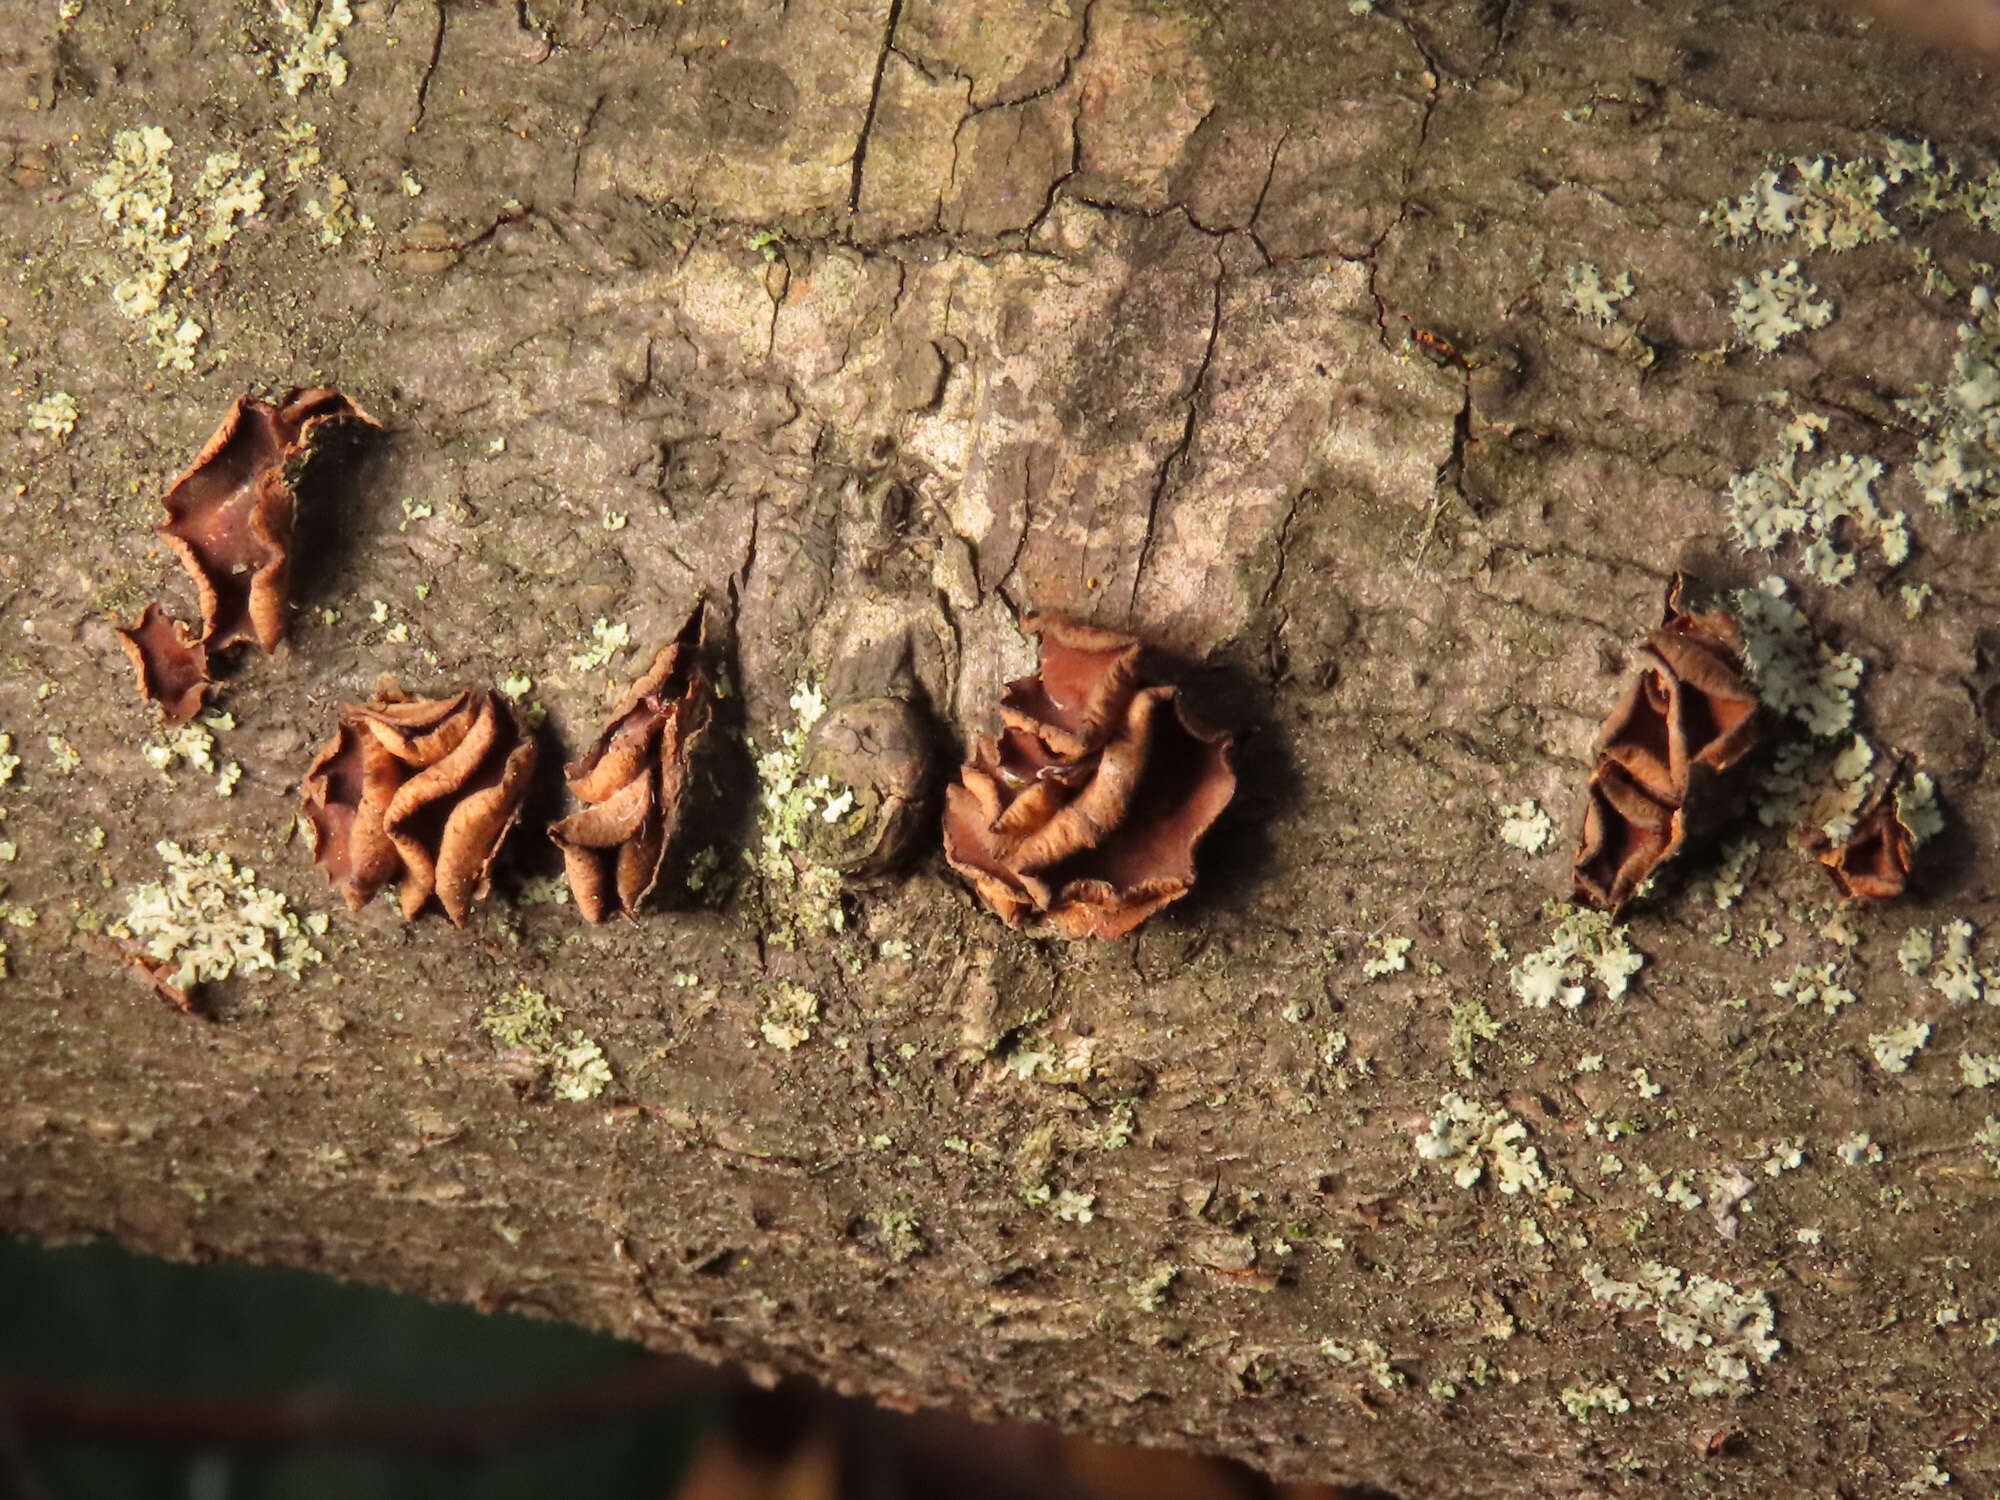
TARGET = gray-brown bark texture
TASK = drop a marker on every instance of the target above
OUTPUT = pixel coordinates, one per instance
(1241, 325)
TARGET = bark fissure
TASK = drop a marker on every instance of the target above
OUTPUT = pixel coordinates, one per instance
(874, 101)
(430, 67)
(1171, 465)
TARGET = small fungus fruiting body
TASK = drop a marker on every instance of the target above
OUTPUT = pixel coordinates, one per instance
(230, 520)
(1873, 862)
(1689, 715)
(421, 790)
(634, 779)
(1087, 808)
(172, 668)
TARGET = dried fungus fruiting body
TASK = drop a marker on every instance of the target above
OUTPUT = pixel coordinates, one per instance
(1873, 862)
(1087, 809)
(634, 780)
(418, 790)
(230, 520)
(172, 668)
(1690, 715)
(231, 516)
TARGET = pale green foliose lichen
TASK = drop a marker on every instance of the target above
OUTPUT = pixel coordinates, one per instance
(1815, 984)
(1958, 457)
(528, 1019)
(1471, 1024)
(1987, 1139)
(134, 194)
(789, 1017)
(1731, 1328)
(578, 1070)
(1581, 1401)
(1074, 1207)
(1729, 884)
(1893, 1049)
(1588, 294)
(607, 640)
(1775, 503)
(55, 414)
(1149, 1292)
(1584, 948)
(1470, 1139)
(1917, 809)
(902, 1236)
(792, 893)
(1829, 204)
(1369, 1356)
(227, 195)
(1858, 1150)
(1392, 956)
(1949, 967)
(191, 742)
(1526, 826)
(315, 36)
(1979, 1069)
(209, 919)
(1795, 673)
(1775, 304)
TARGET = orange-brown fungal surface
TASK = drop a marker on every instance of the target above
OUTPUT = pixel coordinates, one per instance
(1873, 862)
(153, 974)
(1690, 714)
(633, 781)
(172, 667)
(1086, 811)
(421, 791)
(230, 517)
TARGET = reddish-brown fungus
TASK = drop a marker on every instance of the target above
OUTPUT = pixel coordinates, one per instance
(633, 780)
(231, 516)
(172, 667)
(1087, 809)
(1689, 715)
(420, 790)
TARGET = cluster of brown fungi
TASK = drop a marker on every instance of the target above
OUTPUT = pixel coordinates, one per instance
(1689, 718)
(1082, 816)
(420, 791)
(1085, 813)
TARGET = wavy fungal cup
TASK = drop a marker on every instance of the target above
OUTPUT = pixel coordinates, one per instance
(1085, 812)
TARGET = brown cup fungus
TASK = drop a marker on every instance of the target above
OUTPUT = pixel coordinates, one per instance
(1873, 862)
(172, 668)
(421, 791)
(634, 781)
(230, 520)
(1687, 717)
(1086, 811)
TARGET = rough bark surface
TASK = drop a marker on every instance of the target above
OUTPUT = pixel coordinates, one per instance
(881, 322)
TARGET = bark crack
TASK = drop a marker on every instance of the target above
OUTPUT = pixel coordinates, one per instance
(582, 133)
(874, 102)
(430, 69)
(1175, 459)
